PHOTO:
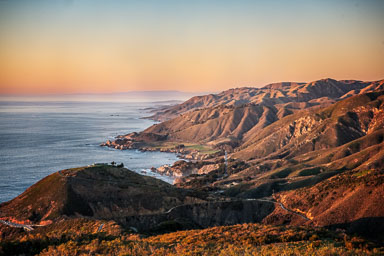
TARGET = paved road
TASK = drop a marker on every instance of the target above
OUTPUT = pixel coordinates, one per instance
(17, 225)
(100, 227)
(261, 200)
(282, 207)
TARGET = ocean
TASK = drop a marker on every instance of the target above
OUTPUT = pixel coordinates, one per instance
(38, 138)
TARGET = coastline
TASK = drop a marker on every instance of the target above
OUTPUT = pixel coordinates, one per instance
(67, 135)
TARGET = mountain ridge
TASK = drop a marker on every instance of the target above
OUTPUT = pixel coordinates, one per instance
(296, 92)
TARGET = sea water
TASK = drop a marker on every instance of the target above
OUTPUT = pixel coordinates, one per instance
(39, 138)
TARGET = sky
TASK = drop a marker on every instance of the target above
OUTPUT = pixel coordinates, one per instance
(94, 46)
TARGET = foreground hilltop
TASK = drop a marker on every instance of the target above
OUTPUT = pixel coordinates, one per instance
(86, 223)
(105, 209)
(101, 191)
(134, 201)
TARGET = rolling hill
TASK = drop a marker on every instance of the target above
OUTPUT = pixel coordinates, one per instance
(100, 191)
(288, 96)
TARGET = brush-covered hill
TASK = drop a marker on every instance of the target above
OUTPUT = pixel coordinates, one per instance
(352, 200)
(80, 237)
(100, 191)
(137, 202)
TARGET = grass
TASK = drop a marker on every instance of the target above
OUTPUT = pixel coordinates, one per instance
(203, 149)
(310, 171)
(362, 173)
(281, 174)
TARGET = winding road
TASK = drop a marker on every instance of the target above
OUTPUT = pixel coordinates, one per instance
(282, 207)
(30, 227)
(17, 225)
(261, 200)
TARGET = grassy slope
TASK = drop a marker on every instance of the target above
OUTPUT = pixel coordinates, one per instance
(352, 200)
(80, 237)
(99, 191)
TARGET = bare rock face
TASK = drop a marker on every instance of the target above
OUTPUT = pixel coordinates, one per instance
(169, 171)
(208, 168)
(182, 169)
(178, 169)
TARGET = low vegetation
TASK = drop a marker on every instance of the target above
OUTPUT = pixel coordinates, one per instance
(80, 237)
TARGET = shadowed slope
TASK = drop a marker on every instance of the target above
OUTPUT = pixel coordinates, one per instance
(100, 191)
(326, 128)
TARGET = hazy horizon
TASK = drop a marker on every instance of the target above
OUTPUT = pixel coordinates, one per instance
(159, 96)
(60, 47)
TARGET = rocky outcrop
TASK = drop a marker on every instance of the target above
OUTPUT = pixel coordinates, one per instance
(183, 168)
(134, 140)
(208, 168)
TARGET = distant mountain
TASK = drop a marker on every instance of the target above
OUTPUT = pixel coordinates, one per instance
(170, 97)
(235, 117)
(286, 96)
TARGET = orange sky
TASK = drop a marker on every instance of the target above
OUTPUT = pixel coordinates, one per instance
(113, 46)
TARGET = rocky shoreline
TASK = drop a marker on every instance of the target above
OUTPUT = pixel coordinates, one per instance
(181, 169)
(145, 141)
(192, 162)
